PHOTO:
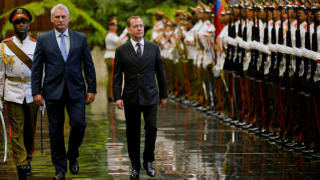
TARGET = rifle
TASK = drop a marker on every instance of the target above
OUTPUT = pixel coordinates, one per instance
(296, 79)
(260, 74)
(228, 65)
(243, 50)
(239, 49)
(304, 79)
(285, 78)
(255, 36)
(314, 48)
(279, 54)
(272, 74)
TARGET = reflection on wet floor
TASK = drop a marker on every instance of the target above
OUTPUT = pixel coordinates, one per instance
(190, 145)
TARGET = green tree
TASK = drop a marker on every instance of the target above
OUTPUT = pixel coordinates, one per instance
(94, 14)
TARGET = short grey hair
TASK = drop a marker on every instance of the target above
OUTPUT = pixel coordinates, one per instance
(59, 6)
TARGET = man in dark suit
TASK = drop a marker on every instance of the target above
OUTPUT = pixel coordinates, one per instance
(62, 54)
(140, 62)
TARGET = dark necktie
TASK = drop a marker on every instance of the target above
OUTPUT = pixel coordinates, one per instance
(139, 52)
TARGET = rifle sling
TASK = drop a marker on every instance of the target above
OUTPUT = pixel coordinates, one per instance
(21, 55)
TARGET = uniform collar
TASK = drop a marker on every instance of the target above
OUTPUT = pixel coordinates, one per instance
(15, 39)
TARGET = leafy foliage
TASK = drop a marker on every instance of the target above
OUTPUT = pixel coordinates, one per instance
(93, 15)
(76, 15)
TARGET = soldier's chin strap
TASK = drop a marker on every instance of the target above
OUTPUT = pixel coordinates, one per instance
(4, 133)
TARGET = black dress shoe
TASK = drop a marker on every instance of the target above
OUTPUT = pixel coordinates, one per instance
(134, 174)
(22, 172)
(149, 169)
(59, 176)
(28, 172)
(74, 167)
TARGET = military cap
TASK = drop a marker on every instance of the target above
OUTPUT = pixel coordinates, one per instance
(260, 6)
(240, 4)
(299, 4)
(178, 12)
(307, 4)
(192, 9)
(282, 4)
(189, 16)
(289, 4)
(20, 13)
(167, 21)
(267, 5)
(207, 9)
(158, 13)
(114, 21)
(316, 6)
(200, 7)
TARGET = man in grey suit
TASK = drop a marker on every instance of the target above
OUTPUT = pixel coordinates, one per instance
(140, 63)
(62, 54)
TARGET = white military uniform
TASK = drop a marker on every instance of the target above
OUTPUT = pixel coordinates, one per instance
(317, 57)
(191, 39)
(220, 51)
(15, 91)
(206, 37)
(112, 41)
(166, 42)
(157, 30)
(178, 33)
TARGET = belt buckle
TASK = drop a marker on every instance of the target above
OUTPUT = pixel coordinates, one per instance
(23, 79)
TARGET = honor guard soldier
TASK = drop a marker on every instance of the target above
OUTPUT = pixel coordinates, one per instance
(112, 41)
(316, 90)
(193, 52)
(15, 89)
(166, 41)
(158, 26)
(180, 55)
(207, 38)
(218, 67)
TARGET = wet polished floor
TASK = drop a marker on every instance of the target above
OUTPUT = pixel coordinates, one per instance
(190, 145)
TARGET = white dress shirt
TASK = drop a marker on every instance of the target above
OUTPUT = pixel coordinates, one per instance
(134, 44)
(66, 38)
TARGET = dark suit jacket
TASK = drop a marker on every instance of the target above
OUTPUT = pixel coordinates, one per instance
(140, 86)
(58, 74)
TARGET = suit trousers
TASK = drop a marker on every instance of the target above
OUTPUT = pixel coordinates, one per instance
(133, 132)
(56, 115)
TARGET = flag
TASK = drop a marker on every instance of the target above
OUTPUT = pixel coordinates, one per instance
(219, 8)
